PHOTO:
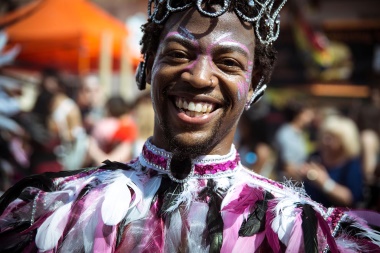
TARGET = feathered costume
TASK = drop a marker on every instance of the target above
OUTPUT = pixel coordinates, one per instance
(136, 207)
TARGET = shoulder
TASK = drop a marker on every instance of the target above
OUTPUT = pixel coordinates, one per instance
(287, 217)
(48, 207)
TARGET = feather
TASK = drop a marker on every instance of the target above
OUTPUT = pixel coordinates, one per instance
(51, 230)
(141, 209)
(117, 197)
(296, 236)
(90, 217)
(232, 222)
(153, 236)
(197, 225)
(326, 231)
(271, 236)
(251, 243)
(284, 219)
(38, 181)
(115, 165)
(235, 207)
(214, 219)
(241, 198)
(105, 237)
(173, 234)
(256, 220)
(309, 227)
(171, 197)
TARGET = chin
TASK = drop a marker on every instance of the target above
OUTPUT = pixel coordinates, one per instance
(191, 144)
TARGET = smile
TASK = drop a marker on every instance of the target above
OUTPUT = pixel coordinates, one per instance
(194, 108)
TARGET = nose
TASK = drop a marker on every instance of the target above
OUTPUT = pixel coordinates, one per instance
(200, 73)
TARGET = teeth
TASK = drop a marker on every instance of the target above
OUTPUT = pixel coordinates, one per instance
(198, 107)
(193, 109)
(191, 106)
(185, 105)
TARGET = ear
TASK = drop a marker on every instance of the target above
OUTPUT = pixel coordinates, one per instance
(254, 82)
(148, 68)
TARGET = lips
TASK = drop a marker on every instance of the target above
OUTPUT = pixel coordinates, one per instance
(194, 108)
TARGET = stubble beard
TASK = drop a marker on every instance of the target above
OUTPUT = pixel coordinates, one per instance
(178, 147)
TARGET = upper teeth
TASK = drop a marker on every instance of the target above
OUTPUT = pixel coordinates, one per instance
(193, 106)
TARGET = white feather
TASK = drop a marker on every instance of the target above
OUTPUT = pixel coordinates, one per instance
(117, 197)
(173, 233)
(185, 197)
(142, 208)
(51, 230)
(285, 214)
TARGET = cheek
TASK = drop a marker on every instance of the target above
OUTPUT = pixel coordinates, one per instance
(243, 86)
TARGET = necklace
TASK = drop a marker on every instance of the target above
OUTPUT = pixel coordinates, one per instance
(203, 167)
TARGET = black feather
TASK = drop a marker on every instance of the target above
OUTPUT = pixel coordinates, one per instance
(13, 240)
(170, 195)
(255, 222)
(214, 218)
(115, 165)
(309, 228)
(41, 181)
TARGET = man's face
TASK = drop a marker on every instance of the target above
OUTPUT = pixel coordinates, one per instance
(201, 76)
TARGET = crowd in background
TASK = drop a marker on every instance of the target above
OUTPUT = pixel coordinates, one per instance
(332, 153)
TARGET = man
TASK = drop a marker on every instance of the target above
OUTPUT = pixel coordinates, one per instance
(187, 191)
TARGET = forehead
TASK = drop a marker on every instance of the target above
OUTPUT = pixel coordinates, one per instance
(205, 28)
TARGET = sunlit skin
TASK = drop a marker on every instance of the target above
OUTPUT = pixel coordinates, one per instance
(194, 50)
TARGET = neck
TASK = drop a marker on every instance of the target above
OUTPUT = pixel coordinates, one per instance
(199, 167)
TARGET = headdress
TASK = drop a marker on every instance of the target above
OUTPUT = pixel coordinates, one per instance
(260, 13)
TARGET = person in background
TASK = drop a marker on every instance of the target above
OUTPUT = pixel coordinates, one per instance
(144, 115)
(333, 175)
(88, 99)
(58, 144)
(206, 62)
(290, 140)
(114, 136)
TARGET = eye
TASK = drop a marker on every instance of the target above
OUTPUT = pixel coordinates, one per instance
(230, 65)
(177, 54)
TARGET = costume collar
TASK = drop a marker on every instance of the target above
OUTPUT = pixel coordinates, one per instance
(209, 166)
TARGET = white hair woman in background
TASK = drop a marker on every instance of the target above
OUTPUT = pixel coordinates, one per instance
(333, 175)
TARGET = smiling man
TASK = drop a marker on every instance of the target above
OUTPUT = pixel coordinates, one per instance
(206, 62)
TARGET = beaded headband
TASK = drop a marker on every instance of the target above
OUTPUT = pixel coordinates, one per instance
(264, 11)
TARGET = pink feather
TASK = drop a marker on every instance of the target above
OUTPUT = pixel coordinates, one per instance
(105, 237)
(153, 241)
(296, 238)
(272, 237)
(326, 231)
(251, 243)
(243, 196)
(232, 223)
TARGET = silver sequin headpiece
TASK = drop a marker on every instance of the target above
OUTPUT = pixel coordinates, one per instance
(265, 15)
(265, 11)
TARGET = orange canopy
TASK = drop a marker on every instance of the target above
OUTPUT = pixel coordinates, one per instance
(64, 34)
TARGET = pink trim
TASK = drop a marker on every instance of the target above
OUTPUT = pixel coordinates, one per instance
(200, 169)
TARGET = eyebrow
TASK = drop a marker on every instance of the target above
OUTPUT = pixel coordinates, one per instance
(183, 38)
(236, 46)
(233, 45)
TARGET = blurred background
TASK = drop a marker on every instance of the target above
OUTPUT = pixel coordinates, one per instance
(68, 97)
